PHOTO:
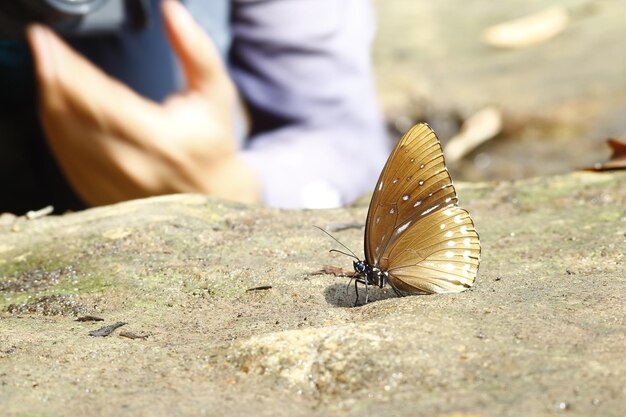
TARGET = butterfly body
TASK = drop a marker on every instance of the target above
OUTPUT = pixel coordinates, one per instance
(417, 239)
(369, 275)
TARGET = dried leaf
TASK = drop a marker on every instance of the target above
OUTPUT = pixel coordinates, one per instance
(334, 270)
(616, 161)
(477, 129)
(528, 30)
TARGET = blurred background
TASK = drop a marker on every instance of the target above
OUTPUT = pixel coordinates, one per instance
(514, 89)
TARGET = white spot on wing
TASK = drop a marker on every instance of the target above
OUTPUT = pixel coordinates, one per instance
(448, 212)
(442, 226)
(451, 243)
(429, 210)
(405, 197)
(417, 203)
(464, 229)
(449, 254)
(380, 186)
(403, 227)
(392, 210)
(450, 233)
(467, 241)
(457, 218)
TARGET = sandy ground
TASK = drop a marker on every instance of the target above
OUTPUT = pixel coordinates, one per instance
(542, 332)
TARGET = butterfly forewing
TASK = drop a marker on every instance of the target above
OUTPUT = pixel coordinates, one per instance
(440, 253)
(413, 184)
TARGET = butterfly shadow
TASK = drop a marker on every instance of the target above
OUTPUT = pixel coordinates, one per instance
(336, 294)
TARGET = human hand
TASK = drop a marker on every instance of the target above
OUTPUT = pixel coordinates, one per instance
(114, 145)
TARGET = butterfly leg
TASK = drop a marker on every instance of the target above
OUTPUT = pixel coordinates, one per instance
(356, 289)
(348, 286)
(397, 291)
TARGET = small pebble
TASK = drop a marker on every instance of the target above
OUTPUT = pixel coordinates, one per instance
(562, 406)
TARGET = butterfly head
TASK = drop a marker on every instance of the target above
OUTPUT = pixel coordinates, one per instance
(359, 267)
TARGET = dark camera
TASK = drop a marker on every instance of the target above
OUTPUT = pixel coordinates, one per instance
(73, 17)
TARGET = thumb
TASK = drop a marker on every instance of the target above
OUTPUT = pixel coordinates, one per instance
(200, 59)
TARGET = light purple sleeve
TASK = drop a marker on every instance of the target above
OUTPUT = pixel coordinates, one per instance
(304, 68)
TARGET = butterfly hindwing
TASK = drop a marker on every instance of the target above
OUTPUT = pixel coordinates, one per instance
(439, 254)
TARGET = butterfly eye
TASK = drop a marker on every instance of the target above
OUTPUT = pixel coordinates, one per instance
(359, 267)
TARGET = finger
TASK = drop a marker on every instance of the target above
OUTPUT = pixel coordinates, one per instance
(44, 61)
(198, 55)
(70, 84)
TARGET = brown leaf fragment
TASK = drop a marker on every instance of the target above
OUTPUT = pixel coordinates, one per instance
(106, 330)
(615, 162)
(334, 270)
(131, 335)
(89, 318)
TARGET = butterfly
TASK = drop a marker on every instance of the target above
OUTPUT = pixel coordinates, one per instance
(417, 238)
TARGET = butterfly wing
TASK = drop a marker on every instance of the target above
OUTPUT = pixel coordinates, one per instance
(438, 254)
(413, 184)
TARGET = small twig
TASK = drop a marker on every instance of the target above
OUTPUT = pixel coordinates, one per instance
(338, 227)
(35, 214)
(261, 288)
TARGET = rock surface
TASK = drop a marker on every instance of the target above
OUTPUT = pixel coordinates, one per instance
(542, 333)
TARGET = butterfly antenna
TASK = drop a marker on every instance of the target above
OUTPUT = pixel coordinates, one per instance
(352, 254)
(344, 253)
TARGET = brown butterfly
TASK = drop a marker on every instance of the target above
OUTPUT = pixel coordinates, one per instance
(417, 239)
